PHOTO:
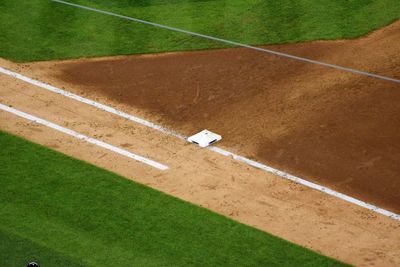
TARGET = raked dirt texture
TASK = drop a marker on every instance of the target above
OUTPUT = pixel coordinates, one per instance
(335, 128)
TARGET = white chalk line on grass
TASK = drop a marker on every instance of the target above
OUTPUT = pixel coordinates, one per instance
(84, 137)
(214, 149)
(316, 62)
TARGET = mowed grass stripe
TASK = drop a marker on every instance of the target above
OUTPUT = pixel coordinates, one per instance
(16, 250)
(58, 209)
(42, 30)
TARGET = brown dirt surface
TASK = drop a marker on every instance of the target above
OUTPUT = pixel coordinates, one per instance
(334, 128)
(296, 213)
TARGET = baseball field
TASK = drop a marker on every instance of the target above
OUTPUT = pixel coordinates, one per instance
(97, 99)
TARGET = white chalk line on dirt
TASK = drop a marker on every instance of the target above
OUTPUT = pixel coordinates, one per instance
(214, 149)
(276, 53)
(84, 137)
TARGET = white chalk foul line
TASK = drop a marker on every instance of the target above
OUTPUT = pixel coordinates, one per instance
(316, 62)
(88, 101)
(84, 137)
(306, 183)
(214, 149)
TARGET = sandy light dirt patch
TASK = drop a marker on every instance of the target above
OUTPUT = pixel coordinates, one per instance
(298, 214)
(334, 128)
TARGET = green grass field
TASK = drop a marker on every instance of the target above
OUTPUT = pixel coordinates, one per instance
(42, 30)
(64, 212)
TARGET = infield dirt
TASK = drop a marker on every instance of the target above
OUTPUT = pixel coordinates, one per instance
(332, 127)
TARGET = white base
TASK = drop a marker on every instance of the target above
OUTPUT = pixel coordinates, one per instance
(204, 138)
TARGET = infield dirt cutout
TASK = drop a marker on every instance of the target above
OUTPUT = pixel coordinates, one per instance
(338, 129)
(332, 127)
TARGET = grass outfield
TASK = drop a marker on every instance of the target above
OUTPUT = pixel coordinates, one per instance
(42, 30)
(64, 212)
